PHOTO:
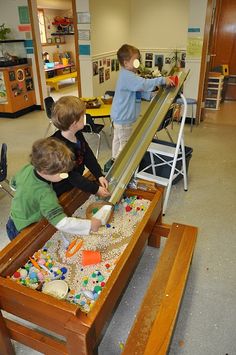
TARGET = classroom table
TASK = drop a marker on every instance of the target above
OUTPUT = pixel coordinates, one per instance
(58, 67)
(103, 111)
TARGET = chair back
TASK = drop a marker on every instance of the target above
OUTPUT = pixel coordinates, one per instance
(3, 162)
(48, 102)
(167, 120)
(90, 126)
(110, 93)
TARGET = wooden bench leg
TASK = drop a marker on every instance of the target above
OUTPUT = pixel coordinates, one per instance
(159, 230)
(6, 347)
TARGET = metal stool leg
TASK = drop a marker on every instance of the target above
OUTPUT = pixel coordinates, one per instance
(98, 147)
(191, 127)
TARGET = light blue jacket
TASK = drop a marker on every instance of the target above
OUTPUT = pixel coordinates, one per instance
(126, 103)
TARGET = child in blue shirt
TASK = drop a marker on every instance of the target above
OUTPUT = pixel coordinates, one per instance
(126, 103)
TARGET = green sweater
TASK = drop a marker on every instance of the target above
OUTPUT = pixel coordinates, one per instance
(34, 199)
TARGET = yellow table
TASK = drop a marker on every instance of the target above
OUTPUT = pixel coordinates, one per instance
(101, 112)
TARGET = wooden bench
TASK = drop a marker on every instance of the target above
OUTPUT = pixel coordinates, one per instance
(54, 82)
(152, 329)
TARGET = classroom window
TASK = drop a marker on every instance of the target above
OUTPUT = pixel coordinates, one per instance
(42, 28)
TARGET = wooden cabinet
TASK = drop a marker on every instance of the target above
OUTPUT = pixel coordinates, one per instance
(214, 90)
(17, 94)
(230, 88)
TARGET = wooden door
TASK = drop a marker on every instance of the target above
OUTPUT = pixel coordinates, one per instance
(224, 46)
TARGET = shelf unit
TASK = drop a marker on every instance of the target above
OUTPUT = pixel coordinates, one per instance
(214, 89)
(17, 95)
(11, 40)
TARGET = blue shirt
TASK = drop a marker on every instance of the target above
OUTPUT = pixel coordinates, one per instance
(126, 103)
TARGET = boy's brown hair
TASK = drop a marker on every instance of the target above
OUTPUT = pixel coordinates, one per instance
(51, 156)
(67, 110)
(126, 52)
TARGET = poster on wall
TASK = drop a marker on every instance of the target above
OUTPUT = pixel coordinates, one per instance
(101, 75)
(84, 35)
(159, 61)
(107, 74)
(83, 17)
(117, 65)
(23, 12)
(167, 60)
(149, 56)
(148, 63)
(95, 68)
(113, 65)
(194, 47)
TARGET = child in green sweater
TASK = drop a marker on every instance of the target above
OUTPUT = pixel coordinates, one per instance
(35, 198)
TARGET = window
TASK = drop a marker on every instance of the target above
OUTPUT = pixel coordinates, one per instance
(42, 29)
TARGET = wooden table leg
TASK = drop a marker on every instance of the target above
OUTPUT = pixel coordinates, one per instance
(79, 339)
(6, 347)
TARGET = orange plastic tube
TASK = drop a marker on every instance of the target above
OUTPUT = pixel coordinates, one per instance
(74, 246)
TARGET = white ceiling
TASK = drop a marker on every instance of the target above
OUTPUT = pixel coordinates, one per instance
(54, 4)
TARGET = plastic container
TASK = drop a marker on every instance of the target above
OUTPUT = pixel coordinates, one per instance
(164, 170)
(50, 65)
(90, 257)
(64, 61)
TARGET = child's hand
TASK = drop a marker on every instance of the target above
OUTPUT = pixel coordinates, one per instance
(102, 192)
(169, 81)
(95, 224)
(103, 182)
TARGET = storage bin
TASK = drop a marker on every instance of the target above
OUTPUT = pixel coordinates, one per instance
(50, 65)
(164, 170)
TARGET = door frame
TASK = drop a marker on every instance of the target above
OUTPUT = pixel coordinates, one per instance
(208, 41)
(37, 55)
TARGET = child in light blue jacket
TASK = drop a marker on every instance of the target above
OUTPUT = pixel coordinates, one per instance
(126, 103)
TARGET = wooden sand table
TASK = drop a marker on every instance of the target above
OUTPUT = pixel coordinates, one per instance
(85, 282)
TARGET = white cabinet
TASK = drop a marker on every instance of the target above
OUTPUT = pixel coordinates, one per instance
(214, 89)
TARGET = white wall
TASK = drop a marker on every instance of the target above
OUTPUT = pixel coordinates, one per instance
(197, 14)
(159, 23)
(9, 16)
(110, 25)
(110, 28)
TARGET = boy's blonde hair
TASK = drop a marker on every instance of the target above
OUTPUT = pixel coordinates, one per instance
(67, 110)
(51, 156)
(126, 52)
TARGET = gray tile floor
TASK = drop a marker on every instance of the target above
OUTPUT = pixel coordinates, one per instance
(207, 320)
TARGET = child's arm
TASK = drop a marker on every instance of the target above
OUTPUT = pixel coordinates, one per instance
(103, 182)
(133, 82)
(78, 226)
(53, 212)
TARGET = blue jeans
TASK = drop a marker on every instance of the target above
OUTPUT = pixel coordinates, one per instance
(12, 232)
